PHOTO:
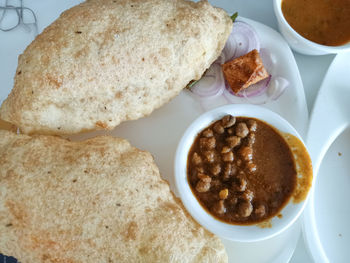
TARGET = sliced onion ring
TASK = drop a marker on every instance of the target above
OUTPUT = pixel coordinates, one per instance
(274, 90)
(268, 59)
(211, 84)
(255, 89)
(242, 40)
(228, 94)
(230, 48)
(277, 88)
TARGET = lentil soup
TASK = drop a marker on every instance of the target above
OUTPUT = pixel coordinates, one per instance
(326, 22)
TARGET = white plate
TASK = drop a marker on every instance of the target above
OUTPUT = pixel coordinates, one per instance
(327, 216)
(161, 131)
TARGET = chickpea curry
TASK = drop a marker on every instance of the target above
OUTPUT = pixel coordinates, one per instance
(241, 170)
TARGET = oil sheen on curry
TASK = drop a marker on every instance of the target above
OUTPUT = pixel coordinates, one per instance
(242, 171)
(326, 22)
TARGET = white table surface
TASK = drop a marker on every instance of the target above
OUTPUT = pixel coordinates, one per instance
(312, 68)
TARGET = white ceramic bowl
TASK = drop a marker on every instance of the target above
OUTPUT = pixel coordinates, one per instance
(247, 233)
(298, 42)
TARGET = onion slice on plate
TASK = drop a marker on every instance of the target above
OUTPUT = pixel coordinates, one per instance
(277, 88)
(255, 89)
(242, 40)
(264, 91)
(268, 59)
(211, 84)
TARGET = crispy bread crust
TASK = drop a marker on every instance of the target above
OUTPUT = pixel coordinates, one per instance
(106, 61)
(99, 200)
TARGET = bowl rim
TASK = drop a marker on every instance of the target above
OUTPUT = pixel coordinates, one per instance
(329, 49)
(240, 233)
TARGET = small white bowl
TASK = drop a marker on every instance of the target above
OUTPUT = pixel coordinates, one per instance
(298, 42)
(246, 233)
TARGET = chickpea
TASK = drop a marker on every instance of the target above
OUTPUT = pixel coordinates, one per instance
(233, 141)
(251, 138)
(209, 156)
(196, 159)
(219, 207)
(228, 121)
(245, 209)
(246, 153)
(207, 143)
(252, 125)
(200, 169)
(204, 178)
(216, 169)
(228, 157)
(208, 133)
(202, 186)
(260, 210)
(248, 195)
(218, 128)
(225, 149)
(240, 185)
(242, 130)
(227, 172)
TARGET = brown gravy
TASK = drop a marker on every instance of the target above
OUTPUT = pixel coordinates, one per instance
(326, 22)
(263, 173)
